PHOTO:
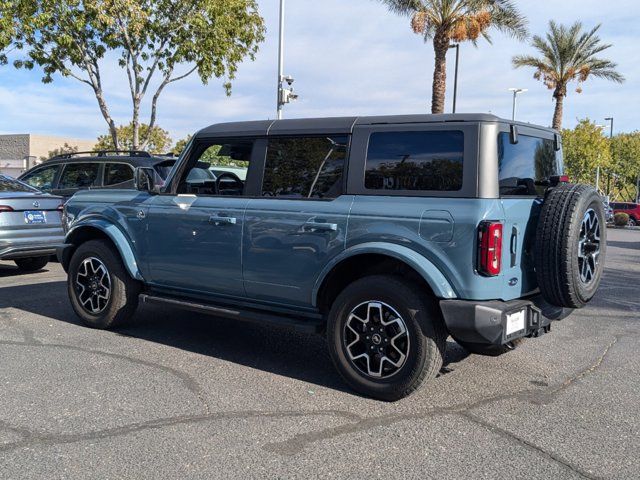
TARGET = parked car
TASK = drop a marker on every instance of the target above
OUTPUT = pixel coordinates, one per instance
(631, 209)
(68, 173)
(30, 224)
(387, 233)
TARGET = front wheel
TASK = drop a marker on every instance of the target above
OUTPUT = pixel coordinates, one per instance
(31, 264)
(632, 222)
(385, 336)
(101, 291)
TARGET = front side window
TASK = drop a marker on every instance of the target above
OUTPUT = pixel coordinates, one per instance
(42, 178)
(525, 168)
(427, 160)
(118, 175)
(219, 168)
(305, 167)
(79, 175)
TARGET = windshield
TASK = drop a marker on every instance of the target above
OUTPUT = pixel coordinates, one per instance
(8, 184)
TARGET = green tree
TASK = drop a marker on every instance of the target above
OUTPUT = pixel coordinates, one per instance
(180, 145)
(66, 148)
(568, 54)
(585, 149)
(156, 42)
(158, 142)
(447, 21)
(625, 152)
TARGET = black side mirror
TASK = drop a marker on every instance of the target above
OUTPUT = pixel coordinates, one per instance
(144, 179)
(513, 134)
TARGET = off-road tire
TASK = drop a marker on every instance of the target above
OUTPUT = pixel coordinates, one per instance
(31, 264)
(556, 247)
(123, 300)
(490, 350)
(425, 329)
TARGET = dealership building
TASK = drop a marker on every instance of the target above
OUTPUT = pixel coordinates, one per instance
(19, 152)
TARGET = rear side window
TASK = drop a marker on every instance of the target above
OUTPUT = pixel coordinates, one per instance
(42, 178)
(79, 175)
(118, 175)
(428, 160)
(305, 167)
(526, 167)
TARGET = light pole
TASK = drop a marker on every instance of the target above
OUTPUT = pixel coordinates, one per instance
(284, 95)
(610, 119)
(455, 78)
(516, 91)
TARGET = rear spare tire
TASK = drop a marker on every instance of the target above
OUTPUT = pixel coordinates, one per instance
(571, 243)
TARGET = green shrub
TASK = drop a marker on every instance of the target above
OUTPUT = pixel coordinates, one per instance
(621, 219)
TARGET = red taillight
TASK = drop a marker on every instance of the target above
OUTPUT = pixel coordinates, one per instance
(564, 179)
(5, 208)
(490, 248)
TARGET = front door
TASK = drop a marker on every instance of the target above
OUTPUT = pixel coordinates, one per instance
(195, 232)
(300, 223)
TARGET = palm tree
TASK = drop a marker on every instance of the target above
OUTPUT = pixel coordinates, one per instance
(447, 21)
(568, 54)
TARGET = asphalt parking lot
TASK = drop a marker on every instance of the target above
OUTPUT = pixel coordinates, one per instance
(180, 395)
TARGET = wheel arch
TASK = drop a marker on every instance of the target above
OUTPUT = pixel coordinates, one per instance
(374, 258)
(100, 229)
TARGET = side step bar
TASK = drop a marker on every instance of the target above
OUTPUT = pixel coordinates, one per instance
(247, 315)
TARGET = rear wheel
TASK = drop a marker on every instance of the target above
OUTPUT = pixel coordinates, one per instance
(386, 336)
(632, 222)
(31, 264)
(102, 293)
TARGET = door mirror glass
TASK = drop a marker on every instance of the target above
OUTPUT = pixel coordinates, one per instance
(144, 179)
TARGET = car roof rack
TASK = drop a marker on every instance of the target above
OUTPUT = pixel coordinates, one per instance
(104, 153)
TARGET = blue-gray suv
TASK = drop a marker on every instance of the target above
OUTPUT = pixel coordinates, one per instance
(387, 233)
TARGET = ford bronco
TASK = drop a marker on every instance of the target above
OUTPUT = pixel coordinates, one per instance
(386, 233)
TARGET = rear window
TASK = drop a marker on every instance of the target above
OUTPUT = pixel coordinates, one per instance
(10, 185)
(526, 167)
(428, 160)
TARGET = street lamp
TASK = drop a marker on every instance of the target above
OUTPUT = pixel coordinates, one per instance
(455, 79)
(516, 91)
(284, 95)
(610, 119)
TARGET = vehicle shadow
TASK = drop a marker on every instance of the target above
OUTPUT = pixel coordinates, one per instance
(269, 348)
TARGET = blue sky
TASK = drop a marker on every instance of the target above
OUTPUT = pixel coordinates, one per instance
(348, 58)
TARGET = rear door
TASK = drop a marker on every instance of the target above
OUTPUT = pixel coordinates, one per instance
(299, 221)
(525, 169)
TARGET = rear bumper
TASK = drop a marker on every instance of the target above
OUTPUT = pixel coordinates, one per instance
(486, 322)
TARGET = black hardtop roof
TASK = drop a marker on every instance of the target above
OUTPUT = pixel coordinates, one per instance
(343, 124)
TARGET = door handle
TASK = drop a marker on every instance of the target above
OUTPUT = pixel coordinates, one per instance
(514, 247)
(320, 227)
(222, 220)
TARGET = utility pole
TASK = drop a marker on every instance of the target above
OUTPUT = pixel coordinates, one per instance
(516, 91)
(284, 95)
(455, 79)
